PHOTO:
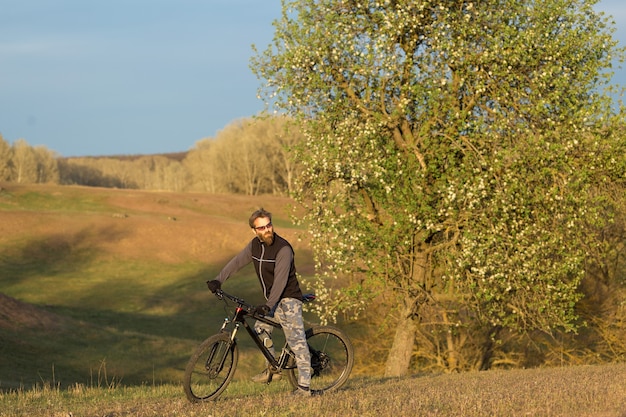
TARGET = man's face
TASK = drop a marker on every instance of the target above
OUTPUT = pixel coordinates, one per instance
(264, 230)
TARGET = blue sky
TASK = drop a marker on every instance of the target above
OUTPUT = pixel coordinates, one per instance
(88, 77)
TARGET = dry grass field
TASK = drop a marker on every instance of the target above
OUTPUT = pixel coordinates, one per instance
(127, 224)
(581, 391)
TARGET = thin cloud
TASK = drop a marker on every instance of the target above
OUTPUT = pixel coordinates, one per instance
(42, 47)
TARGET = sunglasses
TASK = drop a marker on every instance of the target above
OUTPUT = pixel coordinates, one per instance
(262, 228)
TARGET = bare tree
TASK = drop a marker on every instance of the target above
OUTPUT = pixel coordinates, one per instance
(249, 156)
(5, 160)
(47, 165)
(282, 137)
(24, 161)
(199, 164)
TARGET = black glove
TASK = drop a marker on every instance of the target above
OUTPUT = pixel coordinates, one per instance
(262, 310)
(214, 285)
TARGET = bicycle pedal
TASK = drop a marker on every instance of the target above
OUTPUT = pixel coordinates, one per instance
(271, 378)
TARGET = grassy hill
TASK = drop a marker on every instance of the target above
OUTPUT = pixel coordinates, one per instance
(103, 299)
(104, 286)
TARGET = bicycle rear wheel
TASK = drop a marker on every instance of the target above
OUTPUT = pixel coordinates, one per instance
(210, 368)
(332, 358)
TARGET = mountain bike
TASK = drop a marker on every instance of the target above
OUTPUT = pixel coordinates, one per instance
(212, 366)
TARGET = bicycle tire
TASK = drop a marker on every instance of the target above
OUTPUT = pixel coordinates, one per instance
(332, 359)
(211, 368)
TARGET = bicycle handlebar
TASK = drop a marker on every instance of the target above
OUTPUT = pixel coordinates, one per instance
(221, 294)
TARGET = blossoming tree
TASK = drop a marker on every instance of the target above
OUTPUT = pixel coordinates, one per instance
(451, 147)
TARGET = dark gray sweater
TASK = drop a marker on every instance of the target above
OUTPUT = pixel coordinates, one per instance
(274, 266)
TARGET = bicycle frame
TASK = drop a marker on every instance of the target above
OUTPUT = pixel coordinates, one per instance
(243, 311)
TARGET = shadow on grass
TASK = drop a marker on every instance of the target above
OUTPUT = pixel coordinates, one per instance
(97, 343)
(122, 322)
(53, 254)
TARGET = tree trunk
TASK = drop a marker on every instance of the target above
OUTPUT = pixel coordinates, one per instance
(399, 357)
(452, 356)
(488, 348)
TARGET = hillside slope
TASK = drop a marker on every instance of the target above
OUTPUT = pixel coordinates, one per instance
(94, 281)
(15, 315)
(131, 224)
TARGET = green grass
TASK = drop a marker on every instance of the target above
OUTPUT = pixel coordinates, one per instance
(73, 200)
(139, 321)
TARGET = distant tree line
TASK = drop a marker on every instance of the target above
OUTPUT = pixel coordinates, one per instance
(249, 156)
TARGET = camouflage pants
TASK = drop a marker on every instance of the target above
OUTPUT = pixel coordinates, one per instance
(289, 314)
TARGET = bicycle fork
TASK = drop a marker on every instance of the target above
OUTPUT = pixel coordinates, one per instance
(219, 351)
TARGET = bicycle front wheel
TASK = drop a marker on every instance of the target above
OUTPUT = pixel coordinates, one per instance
(210, 368)
(332, 358)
